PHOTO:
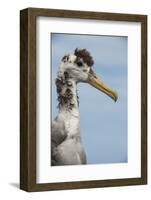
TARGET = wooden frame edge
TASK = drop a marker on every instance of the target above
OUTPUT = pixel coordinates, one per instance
(27, 100)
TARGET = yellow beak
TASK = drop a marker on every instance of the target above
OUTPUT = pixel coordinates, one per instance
(98, 84)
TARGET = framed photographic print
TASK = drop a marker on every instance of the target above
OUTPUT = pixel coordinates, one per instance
(83, 99)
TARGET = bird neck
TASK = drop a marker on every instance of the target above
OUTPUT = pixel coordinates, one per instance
(68, 106)
(67, 94)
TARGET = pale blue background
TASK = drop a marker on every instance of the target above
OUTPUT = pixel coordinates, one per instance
(103, 122)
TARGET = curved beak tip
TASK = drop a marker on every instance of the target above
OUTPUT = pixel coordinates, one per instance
(115, 97)
(98, 84)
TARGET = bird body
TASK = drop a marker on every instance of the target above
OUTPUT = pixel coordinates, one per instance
(67, 148)
(66, 143)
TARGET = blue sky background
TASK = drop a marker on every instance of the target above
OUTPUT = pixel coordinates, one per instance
(103, 122)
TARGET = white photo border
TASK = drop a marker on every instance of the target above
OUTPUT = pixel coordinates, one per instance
(132, 169)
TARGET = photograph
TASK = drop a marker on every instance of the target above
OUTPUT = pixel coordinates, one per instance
(88, 99)
(83, 93)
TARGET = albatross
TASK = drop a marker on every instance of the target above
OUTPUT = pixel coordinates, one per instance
(66, 144)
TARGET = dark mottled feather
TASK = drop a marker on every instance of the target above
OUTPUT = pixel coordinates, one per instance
(85, 55)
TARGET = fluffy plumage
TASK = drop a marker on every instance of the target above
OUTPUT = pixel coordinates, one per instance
(66, 144)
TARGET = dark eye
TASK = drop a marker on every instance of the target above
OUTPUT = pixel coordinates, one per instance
(79, 63)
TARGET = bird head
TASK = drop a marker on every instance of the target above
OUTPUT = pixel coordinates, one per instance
(78, 67)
